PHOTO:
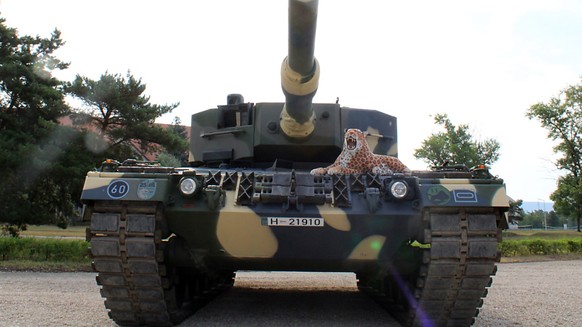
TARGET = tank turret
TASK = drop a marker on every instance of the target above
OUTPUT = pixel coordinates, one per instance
(300, 70)
(296, 133)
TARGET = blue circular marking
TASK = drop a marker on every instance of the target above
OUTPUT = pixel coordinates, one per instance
(117, 189)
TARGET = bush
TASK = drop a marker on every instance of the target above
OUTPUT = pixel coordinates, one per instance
(12, 230)
(35, 249)
(512, 248)
(575, 247)
(537, 246)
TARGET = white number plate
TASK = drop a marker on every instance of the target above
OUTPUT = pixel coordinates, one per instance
(294, 222)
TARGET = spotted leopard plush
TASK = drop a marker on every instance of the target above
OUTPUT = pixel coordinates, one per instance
(356, 158)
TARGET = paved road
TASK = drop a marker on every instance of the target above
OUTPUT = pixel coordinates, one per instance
(523, 294)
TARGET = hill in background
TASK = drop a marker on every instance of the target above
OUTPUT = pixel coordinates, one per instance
(529, 206)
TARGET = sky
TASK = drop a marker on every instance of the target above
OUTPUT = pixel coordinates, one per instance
(484, 63)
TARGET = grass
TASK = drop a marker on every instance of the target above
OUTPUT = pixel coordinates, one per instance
(540, 245)
(33, 254)
(46, 266)
(542, 258)
(46, 248)
(43, 249)
(79, 231)
(541, 234)
(53, 231)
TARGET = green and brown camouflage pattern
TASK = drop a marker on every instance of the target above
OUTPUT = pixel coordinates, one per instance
(225, 224)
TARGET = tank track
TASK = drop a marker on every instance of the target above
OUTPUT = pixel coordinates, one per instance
(453, 275)
(140, 287)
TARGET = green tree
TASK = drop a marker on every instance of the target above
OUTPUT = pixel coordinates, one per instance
(534, 219)
(116, 108)
(515, 212)
(456, 145)
(567, 197)
(31, 141)
(167, 160)
(28, 91)
(553, 220)
(561, 116)
(180, 154)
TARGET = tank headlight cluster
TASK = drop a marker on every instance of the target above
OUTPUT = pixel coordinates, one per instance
(189, 186)
(399, 189)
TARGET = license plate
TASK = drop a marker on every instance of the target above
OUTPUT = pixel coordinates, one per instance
(293, 222)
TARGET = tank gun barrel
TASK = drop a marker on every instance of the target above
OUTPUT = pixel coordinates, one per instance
(302, 26)
(300, 70)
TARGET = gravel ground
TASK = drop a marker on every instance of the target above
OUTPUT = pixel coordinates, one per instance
(523, 294)
(51, 299)
(534, 294)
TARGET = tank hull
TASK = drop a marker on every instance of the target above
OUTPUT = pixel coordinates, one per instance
(443, 232)
(292, 220)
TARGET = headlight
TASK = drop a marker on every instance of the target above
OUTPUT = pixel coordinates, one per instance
(188, 186)
(398, 189)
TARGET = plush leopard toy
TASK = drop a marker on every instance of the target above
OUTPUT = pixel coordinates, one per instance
(356, 158)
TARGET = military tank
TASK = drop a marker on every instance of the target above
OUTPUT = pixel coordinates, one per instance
(165, 240)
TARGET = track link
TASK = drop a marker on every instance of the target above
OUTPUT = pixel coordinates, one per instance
(453, 275)
(139, 286)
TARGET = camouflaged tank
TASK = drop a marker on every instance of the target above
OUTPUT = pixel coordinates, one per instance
(165, 240)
